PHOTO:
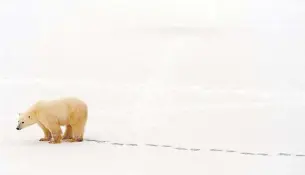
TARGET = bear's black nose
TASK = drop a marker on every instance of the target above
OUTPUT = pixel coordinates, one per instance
(18, 128)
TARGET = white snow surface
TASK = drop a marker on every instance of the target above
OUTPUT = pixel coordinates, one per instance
(222, 74)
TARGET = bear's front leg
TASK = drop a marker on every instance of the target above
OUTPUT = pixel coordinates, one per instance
(68, 133)
(47, 133)
(46, 138)
(56, 134)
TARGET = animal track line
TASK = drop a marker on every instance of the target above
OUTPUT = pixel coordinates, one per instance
(227, 151)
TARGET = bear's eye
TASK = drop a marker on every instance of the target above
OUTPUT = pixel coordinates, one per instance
(22, 122)
(29, 116)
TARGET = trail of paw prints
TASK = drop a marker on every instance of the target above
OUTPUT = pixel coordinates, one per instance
(194, 149)
(228, 151)
(216, 150)
(248, 153)
(97, 141)
(166, 146)
(112, 143)
(153, 145)
(131, 144)
(262, 154)
(300, 155)
(169, 146)
(118, 144)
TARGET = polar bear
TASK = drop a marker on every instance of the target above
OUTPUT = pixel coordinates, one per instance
(51, 115)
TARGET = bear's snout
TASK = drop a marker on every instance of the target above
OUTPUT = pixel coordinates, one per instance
(18, 128)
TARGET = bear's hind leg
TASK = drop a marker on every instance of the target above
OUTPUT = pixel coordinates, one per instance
(78, 128)
(78, 132)
(68, 133)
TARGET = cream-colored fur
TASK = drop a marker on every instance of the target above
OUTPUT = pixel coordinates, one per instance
(50, 115)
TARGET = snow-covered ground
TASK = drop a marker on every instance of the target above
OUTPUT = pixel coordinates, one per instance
(193, 74)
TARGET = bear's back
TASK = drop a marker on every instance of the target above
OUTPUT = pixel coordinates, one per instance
(53, 108)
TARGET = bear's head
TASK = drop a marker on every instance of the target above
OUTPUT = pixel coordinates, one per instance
(26, 119)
